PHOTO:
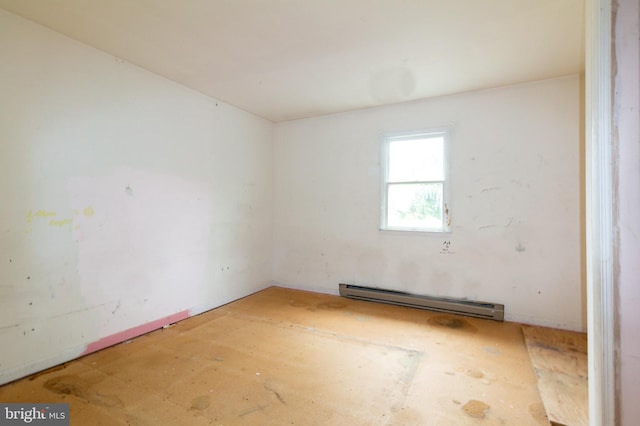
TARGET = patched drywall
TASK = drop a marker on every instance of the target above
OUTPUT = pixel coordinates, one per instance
(128, 201)
(515, 202)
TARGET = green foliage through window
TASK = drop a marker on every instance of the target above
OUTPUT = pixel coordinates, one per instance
(426, 204)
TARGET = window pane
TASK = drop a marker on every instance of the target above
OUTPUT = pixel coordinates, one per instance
(415, 205)
(413, 160)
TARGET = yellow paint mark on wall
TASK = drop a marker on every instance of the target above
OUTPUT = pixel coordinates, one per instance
(88, 212)
(60, 223)
(39, 213)
(44, 213)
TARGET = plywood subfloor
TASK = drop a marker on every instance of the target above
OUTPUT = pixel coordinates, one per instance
(559, 359)
(283, 357)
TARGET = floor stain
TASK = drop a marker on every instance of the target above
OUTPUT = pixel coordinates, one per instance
(453, 323)
(331, 305)
(201, 403)
(298, 303)
(275, 392)
(64, 385)
(476, 408)
(476, 374)
(73, 385)
(252, 410)
(492, 350)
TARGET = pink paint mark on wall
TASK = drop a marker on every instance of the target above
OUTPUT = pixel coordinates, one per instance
(139, 330)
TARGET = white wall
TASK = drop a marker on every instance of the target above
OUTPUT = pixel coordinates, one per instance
(128, 201)
(627, 132)
(516, 221)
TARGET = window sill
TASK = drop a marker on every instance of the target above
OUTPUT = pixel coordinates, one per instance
(421, 231)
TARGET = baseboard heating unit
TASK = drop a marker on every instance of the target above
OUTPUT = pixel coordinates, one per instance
(494, 311)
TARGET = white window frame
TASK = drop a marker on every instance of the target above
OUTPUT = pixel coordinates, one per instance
(387, 138)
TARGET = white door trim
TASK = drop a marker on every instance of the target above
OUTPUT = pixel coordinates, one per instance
(600, 220)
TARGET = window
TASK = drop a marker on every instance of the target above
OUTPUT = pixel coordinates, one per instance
(414, 183)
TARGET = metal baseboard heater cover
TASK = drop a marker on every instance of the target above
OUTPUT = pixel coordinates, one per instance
(494, 311)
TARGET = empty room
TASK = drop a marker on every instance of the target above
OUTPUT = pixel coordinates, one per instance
(315, 212)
